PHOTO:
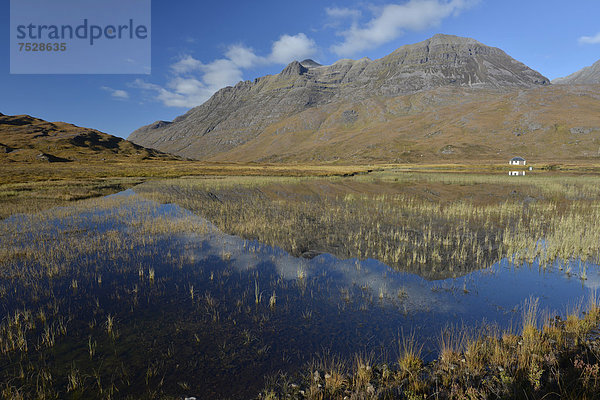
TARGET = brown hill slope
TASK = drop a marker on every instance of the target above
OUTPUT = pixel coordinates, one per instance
(555, 123)
(325, 113)
(25, 138)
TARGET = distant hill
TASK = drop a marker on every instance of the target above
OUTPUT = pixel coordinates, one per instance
(25, 138)
(585, 76)
(448, 97)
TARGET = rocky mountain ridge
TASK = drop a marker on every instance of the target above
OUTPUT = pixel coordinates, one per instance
(585, 76)
(237, 115)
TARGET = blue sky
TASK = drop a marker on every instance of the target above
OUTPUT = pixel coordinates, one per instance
(200, 46)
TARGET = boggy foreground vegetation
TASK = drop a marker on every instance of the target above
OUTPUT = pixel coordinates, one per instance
(123, 298)
(436, 225)
(113, 299)
(120, 298)
(559, 360)
(71, 279)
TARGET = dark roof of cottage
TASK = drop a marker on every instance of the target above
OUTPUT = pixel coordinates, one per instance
(517, 159)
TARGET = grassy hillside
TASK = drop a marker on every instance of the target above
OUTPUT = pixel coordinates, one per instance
(27, 139)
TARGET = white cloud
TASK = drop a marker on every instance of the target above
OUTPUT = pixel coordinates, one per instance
(244, 57)
(116, 93)
(339, 16)
(220, 73)
(186, 86)
(340, 13)
(186, 64)
(290, 48)
(181, 94)
(392, 20)
(192, 82)
(590, 39)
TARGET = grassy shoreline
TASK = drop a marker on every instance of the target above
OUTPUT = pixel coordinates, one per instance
(31, 187)
(560, 359)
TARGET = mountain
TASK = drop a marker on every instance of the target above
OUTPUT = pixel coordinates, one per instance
(423, 101)
(25, 138)
(586, 76)
(308, 63)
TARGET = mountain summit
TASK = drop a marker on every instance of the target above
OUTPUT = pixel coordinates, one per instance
(308, 63)
(237, 115)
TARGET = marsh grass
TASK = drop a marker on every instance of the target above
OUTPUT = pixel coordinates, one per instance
(34, 187)
(537, 363)
(410, 363)
(31, 196)
(73, 278)
(436, 225)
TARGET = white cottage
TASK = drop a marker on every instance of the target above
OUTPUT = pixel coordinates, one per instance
(517, 161)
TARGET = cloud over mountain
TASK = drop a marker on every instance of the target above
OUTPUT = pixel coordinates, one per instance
(192, 82)
(392, 20)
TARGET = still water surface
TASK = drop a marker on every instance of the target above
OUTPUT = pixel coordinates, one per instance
(220, 313)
